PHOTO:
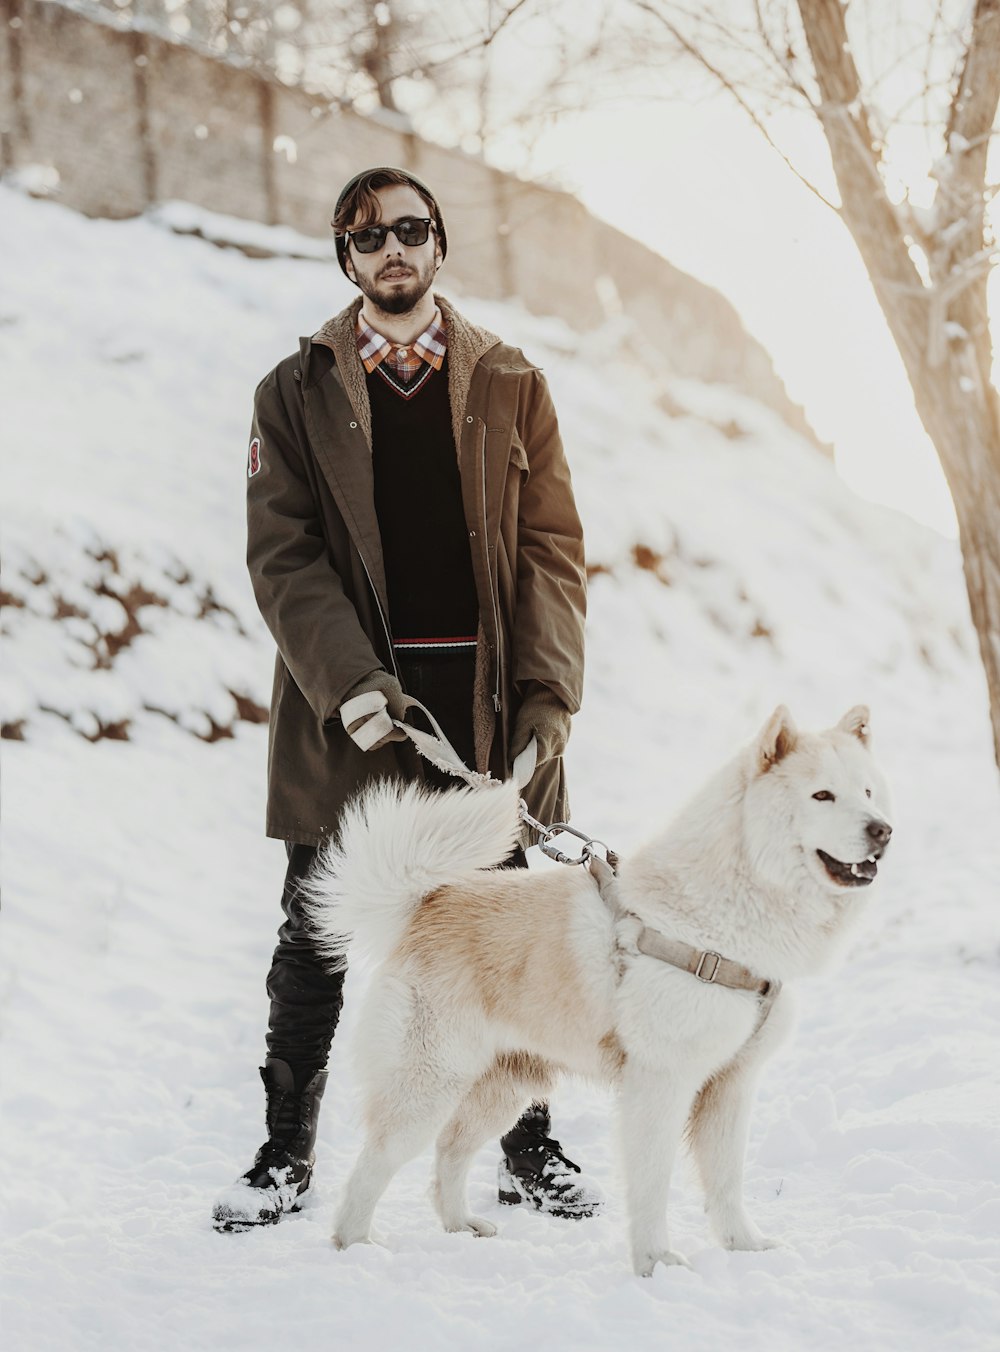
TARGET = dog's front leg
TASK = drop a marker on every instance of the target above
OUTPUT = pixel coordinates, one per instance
(720, 1123)
(368, 1180)
(653, 1106)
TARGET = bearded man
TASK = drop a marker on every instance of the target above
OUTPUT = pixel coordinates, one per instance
(412, 531)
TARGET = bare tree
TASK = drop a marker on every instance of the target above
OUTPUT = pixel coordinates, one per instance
(354, 50)
(377, 45)
(929, 266)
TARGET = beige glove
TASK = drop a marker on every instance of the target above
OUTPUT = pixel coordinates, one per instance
(544, 716)
(369, 708)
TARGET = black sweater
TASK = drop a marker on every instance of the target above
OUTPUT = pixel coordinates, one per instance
(418, 500)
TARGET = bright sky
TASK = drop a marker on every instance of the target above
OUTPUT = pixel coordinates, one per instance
(700, 185)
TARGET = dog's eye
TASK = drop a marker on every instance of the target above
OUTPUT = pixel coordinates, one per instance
(824, 796)
(868, 793)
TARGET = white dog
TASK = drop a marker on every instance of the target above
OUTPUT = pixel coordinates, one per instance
(491, 984)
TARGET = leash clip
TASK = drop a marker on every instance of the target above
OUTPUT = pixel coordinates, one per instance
(548, 847)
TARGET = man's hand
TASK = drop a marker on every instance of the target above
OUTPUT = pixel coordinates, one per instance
(544, 716)
(369, 708)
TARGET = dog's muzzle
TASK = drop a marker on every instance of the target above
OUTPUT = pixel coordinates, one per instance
(859, 874)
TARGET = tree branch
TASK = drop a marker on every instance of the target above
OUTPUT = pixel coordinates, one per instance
(480, 43)
(783, 59)
(731, 89)
(974, 106)
(872, 219)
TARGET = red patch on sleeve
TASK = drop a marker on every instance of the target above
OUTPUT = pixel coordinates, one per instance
(253, 461)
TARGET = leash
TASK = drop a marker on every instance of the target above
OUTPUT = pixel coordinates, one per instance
(435, 748)
(631, 935)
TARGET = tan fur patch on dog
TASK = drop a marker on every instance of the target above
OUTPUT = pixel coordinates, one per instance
(613, 1052)
(469, 940)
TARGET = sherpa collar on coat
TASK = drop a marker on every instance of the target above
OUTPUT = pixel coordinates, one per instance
(467, 343)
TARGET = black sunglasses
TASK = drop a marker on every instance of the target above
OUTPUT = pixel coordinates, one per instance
(411, 231)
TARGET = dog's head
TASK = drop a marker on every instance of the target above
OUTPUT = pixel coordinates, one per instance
(819, 797)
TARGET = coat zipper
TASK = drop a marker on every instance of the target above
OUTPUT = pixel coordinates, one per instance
(489, 574)
(381, 615)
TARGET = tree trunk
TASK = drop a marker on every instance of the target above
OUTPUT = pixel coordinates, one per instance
(941, 329)
(979, 524)
(377, 61)
(961, 422)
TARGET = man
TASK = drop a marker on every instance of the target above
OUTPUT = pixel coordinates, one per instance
(411, 528)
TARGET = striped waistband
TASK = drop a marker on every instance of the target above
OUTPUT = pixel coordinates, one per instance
(433, 644)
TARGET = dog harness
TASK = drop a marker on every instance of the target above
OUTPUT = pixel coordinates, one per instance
(633, 938)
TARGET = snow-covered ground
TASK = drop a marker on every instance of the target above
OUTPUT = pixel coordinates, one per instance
(732, 571)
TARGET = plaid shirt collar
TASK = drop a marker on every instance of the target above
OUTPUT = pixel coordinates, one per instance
(406, 360)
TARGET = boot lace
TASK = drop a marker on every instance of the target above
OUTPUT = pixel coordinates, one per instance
(272, 1152)
(284, 1116)
(553, 1150)
(542, 1151)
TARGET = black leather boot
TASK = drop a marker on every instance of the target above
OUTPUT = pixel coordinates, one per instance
(535, 1170)
(282, 1168)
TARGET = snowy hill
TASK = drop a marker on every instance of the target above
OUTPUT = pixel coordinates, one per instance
(731, 570)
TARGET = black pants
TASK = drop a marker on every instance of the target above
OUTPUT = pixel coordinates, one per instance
(306, 997)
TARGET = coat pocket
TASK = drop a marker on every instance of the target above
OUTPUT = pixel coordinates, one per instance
(518, 455)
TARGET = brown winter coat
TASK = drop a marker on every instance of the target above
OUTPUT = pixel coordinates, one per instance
(315, 559)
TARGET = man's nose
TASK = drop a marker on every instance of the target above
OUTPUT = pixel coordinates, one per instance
(392, 245)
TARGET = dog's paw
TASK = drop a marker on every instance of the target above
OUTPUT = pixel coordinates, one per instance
(474, 1224)
(645, 1263)
(341, 1241)
(734, 1229)
(748, 1239)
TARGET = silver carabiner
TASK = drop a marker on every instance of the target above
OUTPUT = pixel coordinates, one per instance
(552, 851)
(563, 828)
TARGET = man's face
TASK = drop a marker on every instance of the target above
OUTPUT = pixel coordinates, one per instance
(396, 277)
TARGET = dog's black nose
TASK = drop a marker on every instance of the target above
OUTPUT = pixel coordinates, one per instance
(879, 831)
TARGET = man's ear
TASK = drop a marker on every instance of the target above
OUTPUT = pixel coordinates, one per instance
(349, 263)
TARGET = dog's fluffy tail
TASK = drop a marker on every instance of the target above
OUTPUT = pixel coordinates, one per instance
(397, 843)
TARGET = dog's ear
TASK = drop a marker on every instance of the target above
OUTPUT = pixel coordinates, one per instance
(778, 737)
(857, 722)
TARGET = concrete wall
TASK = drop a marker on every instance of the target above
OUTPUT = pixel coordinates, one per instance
(129, 119)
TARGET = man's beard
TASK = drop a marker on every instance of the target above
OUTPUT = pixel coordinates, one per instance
(395, 299)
